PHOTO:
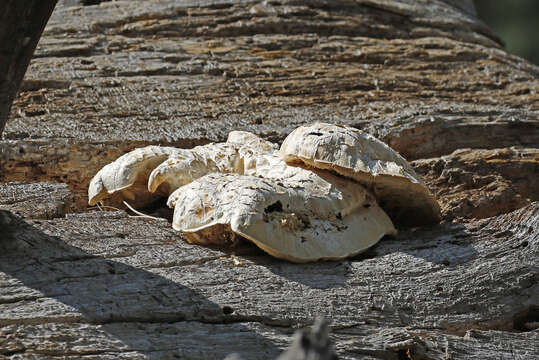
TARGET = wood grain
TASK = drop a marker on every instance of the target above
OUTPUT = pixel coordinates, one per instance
(427, 77)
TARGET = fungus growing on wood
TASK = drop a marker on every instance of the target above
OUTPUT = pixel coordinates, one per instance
(127, 177)
(317, 198)
(183, 168)
(146, 173)
(361, 157)
(237, 155)
(284, 218)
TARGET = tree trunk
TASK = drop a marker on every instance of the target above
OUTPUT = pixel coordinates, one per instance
(427, 77)
(21, 25)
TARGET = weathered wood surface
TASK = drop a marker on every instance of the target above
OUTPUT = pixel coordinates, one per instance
(479, 183)
(36, 200)
(425, 76)
(105, 284)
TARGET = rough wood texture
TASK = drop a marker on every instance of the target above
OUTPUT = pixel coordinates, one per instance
(21, 25)
(36, 200)
(473, 183)
(98, 276)
(425, 76)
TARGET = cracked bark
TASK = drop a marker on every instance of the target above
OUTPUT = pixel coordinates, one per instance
(428, 78)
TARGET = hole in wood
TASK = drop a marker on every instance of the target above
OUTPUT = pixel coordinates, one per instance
(527, 320)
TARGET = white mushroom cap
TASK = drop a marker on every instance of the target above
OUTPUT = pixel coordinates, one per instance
(249, 141)
(234, 156)
(300, 217)
(359, 156)
(188, 165)
(250, 146)
(126, 177)
(137, 174)
(316, 198)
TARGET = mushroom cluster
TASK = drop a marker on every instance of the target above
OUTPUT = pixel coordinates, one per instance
(329, 192)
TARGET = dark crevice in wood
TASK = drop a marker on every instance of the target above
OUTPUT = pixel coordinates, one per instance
(527, 320)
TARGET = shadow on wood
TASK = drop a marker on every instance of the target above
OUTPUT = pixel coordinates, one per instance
(129, 304)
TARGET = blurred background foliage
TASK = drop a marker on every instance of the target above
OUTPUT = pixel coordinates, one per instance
(516, 22)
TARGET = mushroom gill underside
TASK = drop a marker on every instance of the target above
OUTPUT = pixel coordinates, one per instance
(244, 188)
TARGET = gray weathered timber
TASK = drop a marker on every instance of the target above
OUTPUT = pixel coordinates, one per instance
(36, 200)
(430, 80)
(404, 344)
(103, 270)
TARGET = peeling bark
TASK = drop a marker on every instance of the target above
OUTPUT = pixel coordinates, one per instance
(473, 183)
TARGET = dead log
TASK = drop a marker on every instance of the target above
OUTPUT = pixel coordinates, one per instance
(100, 278)
(428, 78)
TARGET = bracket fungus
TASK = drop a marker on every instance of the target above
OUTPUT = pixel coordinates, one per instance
(361, 157)
(299, 215)
(323, 196)
(234, 156)
(127, 177)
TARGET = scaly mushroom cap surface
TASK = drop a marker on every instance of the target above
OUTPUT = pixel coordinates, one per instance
(359, 156)
(234, 156)
(299, 215)
(249, 142)
(126, 177)
(153, 169)
(188, 165)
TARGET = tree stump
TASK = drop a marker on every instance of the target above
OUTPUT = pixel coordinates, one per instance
(428, 78)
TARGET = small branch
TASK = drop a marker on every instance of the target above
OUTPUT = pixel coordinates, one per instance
(139, 213)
